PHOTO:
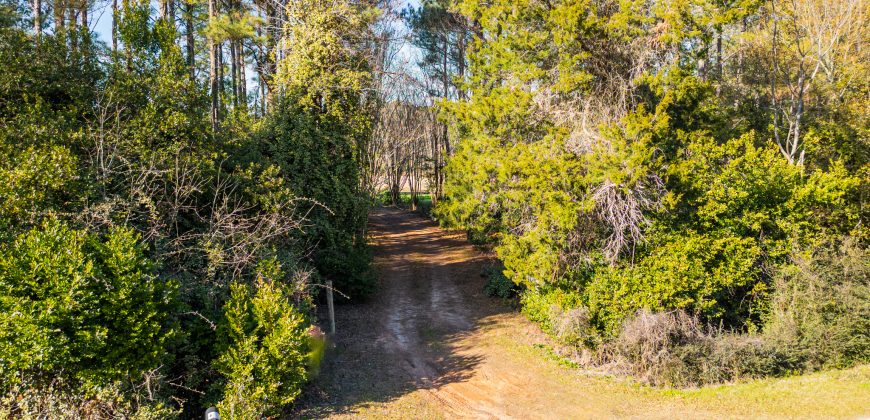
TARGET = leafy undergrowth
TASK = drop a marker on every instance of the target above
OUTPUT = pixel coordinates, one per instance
(818, 318)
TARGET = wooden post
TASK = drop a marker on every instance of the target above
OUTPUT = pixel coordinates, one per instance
(331, 307)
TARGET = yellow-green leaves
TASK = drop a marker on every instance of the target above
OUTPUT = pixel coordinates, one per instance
(81, 308)
(265, 348)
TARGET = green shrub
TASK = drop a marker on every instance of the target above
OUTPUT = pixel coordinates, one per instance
(695, 272)
(32, 179)
(820, 307)
(497, 284)
(265, 351)
(81, 308)
(538, 305)
(316, 154)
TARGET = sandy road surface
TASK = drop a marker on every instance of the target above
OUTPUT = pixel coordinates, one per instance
(431, 345)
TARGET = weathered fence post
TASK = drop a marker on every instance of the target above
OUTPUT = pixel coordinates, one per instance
(331, 307)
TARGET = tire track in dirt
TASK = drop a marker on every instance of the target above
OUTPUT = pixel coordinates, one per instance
(412, 336)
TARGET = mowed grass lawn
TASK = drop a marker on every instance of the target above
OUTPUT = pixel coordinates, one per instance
(829, 394)
(840, 393)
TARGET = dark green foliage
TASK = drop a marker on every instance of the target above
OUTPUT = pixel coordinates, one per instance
(497, 284)
(318, 155)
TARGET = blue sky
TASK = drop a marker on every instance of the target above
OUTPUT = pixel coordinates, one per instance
(101, 24)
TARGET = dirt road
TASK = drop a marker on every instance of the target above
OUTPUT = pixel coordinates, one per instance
(431, 345)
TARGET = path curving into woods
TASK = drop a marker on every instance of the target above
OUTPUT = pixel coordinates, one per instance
(430, 344)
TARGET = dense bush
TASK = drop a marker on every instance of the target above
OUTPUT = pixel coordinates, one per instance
(816, 318)
(154, 262)
(317, 154)
(541, 305)
(820, 307)
(264, 352)
(692, 272)
(676, 349)
(497, 284)
(79, 308)
(117, 400)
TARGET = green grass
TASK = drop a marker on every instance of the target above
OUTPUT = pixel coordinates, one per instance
(424, 201)
(829, 394)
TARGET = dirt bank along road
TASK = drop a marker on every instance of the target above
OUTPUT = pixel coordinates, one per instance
(430, 344)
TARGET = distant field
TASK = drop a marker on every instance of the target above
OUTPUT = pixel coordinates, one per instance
(424, 200)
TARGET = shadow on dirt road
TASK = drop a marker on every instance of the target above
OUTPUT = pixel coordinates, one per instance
(408, 336)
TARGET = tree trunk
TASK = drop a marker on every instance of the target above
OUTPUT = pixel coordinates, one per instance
(221, 77)
(114, 27)
(260, 64)
(234, 72)
(72, 26)
(444, 70)
(59, 8)
(128, 50)
(37, 18)
(719, 66)
(773, 75)
(84, 15)
(461, 63)
(85, 32)
(271, 55)
(243, 82)
(213, 67)
(262, 96)
(191, 42)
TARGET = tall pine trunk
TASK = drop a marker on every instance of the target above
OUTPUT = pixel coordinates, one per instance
(84, 16)
(37, 18)
(85, 31)
(243, 83)
(72, 27)
(59, 8)
(271, 53)
(114, 27)
(234, 73)
(213, 67)
(189, 31)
